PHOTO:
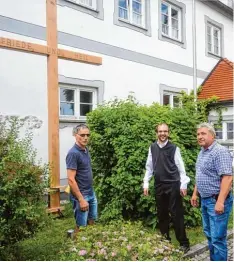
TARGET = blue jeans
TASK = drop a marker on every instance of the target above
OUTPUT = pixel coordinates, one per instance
(215, 227)
(82, 217)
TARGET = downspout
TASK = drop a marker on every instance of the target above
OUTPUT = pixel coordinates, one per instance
(194, 51)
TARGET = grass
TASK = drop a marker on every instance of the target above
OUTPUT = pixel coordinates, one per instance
(52, 243)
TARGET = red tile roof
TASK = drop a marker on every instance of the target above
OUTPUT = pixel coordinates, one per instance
(219, 82)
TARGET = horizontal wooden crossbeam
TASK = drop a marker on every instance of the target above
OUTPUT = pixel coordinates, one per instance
(45, 50)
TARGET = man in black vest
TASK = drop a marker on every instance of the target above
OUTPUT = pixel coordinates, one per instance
(165, 163)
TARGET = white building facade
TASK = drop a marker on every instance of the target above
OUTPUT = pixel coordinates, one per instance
(146, 48)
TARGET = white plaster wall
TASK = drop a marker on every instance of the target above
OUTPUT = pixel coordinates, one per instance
(21, 37)
(87, 26)
(31, 11)
(227, 112)
(122, 76)
(23, 92)
(204, 62)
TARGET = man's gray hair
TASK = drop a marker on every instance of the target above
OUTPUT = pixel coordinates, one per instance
(209, 126)
(77, 128)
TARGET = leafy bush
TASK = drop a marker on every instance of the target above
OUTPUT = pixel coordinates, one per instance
(119, 242)
(22, 184)
(121, 133)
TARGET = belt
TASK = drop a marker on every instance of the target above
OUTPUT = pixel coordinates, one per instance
(216, 196)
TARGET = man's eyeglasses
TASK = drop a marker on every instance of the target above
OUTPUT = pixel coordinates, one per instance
(83, 135)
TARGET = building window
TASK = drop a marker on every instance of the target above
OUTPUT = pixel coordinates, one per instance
(77, 102)
(172, 22)
(229, 130)
(87, 3)
(214, 38)
(170, 95)
(218, 131)
(171, 99)
(78, 97)
(224, 131)
(91, 7)
(133, 14)
(132, 11)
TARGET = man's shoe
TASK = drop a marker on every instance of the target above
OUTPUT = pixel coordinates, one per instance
(184, 249)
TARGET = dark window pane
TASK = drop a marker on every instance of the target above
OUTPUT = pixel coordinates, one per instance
(230, 126)
(164, 19)
(176, 101)
(66, 109)
(66, 95)
(229, 130)
(218, 131)
(174, 13)
(86, 97)
(166, 99)
(84, 109)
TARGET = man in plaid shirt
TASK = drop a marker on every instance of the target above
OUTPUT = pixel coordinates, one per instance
(213, 183)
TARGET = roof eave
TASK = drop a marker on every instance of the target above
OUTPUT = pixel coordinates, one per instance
(220, 7)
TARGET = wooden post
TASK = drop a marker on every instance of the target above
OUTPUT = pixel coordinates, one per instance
(53, 105)
(53, 53)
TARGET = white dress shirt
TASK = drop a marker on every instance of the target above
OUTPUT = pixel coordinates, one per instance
(184, 180)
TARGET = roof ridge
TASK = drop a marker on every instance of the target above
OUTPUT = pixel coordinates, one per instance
(228, 62)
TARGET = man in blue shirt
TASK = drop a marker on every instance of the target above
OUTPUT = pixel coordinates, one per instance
(213, 183)
(80, 179)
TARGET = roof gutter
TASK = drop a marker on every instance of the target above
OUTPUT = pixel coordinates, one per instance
(220, 7)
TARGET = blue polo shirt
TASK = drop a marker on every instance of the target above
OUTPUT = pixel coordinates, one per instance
(212, 163)
(79, 159)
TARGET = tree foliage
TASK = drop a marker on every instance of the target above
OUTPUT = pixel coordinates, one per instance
(121, 133)
(22, 184)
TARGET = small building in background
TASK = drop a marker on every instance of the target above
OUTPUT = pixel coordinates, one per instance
(220, 83)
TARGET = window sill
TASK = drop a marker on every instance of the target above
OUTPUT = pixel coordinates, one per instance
(172, 39)
(166, 38)
(132, 24)
(71, 120)
(213, 55)
(83, 6)
(124, 23)
(95, 12)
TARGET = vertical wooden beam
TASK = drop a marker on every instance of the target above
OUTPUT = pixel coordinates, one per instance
(53, 106)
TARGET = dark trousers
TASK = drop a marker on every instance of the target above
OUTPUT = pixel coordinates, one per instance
(169, 200)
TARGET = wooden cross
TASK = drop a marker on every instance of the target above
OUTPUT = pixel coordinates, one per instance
(53, 53)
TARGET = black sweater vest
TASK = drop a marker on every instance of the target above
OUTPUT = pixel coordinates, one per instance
(164, 167)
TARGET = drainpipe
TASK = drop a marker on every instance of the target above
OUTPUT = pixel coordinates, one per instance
(194, 51)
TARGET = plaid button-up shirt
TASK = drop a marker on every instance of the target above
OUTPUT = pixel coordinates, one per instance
(212, 163)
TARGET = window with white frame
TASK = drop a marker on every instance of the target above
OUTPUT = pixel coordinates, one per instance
(171, 21)
(171, 99)
(77, 102)
(213, 39)
(87, 3)
(224, 131)
(132, 11)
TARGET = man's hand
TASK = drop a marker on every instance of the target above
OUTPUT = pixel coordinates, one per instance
(84, 205)
(183, 192)
(219, 207)
(146, 191)
(194, 201)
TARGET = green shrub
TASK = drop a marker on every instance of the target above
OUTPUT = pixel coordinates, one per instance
(121, 133)
(22, 184)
